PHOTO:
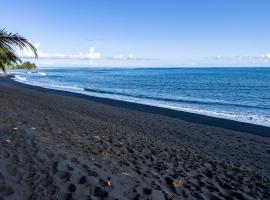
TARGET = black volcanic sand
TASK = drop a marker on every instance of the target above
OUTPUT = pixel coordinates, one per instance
(56, 146)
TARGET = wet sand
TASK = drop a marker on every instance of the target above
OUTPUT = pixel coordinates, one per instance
(57, 145)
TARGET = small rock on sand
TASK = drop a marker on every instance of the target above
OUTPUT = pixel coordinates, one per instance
(8, 141)
(177, 183)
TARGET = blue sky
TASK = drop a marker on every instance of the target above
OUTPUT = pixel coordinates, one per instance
(143, 32)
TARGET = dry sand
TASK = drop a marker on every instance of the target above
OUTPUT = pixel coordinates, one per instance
(57, 146)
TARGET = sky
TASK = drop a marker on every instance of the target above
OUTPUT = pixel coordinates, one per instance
(142, 33)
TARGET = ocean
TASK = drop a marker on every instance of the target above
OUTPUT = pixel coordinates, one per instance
(240, 94)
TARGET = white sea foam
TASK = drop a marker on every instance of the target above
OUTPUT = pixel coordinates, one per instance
(20, 79)
(56, 86)
(42, 73)
(64, 87)
(253, 119)
(46, 85)
(37, 73)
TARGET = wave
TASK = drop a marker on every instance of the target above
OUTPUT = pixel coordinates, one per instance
(20, 78)
(47, 85)
(55, 86)
(187, 101)
(65, 87)
(42, 73)
(37, 73)
(254, 119)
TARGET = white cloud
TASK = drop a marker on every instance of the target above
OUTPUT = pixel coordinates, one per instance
(90, 58)
(263, 56)
(241, 57)
(126, 57)
(122, 57)
(92, 54)
(237, 60)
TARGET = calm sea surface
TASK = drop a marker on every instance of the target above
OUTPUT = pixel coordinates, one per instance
(241, 94)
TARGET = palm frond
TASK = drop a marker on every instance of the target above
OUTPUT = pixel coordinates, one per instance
(8, 57)
(9, 40)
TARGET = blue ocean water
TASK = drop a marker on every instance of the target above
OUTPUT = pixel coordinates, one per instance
(241, 94)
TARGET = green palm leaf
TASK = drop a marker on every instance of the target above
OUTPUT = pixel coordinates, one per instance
(8, 58)
(9, 40)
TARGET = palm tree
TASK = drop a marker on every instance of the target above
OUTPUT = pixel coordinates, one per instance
(7, 58)
(7, 52)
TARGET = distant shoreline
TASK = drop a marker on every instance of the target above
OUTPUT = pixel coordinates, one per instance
(186, 116)
(154, 67)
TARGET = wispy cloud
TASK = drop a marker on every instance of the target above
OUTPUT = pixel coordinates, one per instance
(91, 54)
(241, 57)
(237, 60)
(94, 39)
(126, 57)
(264, 56)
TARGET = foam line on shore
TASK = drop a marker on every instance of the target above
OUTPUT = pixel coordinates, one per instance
(182, 115)
(160, 102)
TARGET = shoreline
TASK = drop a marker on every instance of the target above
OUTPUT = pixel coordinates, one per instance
(58, 145)
(183, 115)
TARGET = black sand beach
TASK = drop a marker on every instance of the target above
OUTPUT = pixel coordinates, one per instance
(57, 145)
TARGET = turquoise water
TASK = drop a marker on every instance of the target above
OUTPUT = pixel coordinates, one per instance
(241, 94)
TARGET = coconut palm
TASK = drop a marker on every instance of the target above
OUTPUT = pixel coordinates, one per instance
(8, 42)
(8, 58)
